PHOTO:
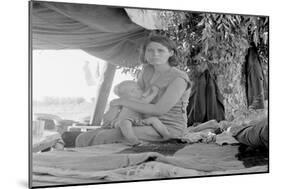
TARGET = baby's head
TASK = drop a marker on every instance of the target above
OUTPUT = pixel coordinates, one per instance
(128, 89)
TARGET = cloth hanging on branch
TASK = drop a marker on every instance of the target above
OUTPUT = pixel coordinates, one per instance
(255, 80)
(206, 101)
(92, 79)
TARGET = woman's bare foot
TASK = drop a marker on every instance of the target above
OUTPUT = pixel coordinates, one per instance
(139, 143)
(166, 137)
(211, 124)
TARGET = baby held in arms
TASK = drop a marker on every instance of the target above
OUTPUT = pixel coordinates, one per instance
(125, 118)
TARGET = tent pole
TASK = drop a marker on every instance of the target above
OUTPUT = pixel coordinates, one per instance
(103, 94)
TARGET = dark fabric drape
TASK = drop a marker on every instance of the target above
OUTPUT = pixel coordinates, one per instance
(206, 101)
(255, 80)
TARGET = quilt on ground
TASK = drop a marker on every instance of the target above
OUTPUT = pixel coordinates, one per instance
(118, 162)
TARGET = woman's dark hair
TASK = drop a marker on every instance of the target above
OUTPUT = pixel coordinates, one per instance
(165, 41)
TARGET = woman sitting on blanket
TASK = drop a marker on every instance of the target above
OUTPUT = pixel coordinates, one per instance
(159, 57)
(125, 118)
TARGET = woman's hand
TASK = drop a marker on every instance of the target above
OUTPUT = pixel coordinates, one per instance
(165, 103)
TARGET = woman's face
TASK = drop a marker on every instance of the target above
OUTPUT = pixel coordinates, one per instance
(157, 54)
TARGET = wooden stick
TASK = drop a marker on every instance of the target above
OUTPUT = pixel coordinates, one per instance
(103, 94)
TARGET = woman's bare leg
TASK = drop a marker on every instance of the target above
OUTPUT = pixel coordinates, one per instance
(127, 131)
(211, 124)
(159, 127)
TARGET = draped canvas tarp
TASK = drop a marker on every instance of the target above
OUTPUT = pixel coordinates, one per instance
(149, 19)
(102, 31)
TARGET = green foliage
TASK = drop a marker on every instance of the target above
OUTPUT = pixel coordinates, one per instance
(215, 39)
(219, 41)
(62, 100)
(133, 71)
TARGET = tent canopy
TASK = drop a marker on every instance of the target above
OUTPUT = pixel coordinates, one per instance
(102, 31)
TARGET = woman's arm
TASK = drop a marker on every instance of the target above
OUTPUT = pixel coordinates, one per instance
(152, 93)
(172, 95)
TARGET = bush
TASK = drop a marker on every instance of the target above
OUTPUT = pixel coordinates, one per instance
(63, 100)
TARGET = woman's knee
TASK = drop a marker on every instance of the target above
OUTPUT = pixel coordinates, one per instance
(124, 123)
(69, 138)
(86, 138)
(153, 120)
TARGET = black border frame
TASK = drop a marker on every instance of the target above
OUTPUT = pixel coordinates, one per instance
(30, 96)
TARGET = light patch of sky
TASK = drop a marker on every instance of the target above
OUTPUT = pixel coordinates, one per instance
(59, 73)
